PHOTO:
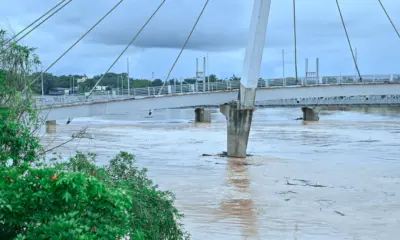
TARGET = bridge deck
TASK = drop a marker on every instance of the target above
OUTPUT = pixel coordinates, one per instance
(315, 95)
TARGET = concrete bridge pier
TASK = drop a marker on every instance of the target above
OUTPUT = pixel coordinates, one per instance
(310, 114)
(238, 128)
(202, 115)
(239, 114)
(51, 126)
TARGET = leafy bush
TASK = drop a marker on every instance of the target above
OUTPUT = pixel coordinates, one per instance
(153, 212)
(75, 199)
(17, 63)
(17, 144)
(16, 141)
(78, 200)
(47, 204)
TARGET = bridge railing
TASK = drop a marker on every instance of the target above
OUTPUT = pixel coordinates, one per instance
(183, 88)
(387, 100)
(186, 88)
(74, 99)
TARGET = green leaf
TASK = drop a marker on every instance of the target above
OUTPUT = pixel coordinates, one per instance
(67, 196)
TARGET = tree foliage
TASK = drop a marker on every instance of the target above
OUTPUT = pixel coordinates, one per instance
(51, 204)
(18, 62)
(79, 200)
(17, 143)
(73, 199)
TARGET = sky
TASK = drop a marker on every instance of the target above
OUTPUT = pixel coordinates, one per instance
(221, 34)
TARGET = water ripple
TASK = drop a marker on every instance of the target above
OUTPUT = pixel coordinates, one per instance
(335, 179)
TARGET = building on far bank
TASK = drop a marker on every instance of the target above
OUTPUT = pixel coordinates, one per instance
(83, 79)
(100, 88)
(59, 91)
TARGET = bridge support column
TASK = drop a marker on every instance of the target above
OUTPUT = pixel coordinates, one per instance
(310, 114)
(51, 126)
(202, 115)
(239, 124)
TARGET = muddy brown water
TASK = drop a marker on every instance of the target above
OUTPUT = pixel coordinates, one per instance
(335, 179)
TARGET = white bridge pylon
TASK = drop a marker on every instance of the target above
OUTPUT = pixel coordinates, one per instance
(254, 53)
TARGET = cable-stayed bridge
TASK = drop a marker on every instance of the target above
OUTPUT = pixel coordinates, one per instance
(237, 99)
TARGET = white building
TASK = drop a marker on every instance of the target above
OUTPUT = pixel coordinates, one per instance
(100, 88)
(83, 79)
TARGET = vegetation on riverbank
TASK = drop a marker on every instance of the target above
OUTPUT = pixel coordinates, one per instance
(73, 199)
(111, 80)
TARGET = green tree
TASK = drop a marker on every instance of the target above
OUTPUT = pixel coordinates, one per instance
(213, 78)
(234, 78)
(157, 82)
(18, 62)
(74, 199)
(190, 80)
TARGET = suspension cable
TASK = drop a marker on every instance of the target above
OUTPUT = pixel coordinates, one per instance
(295, 39)
(73, 45)
(348, 40)
(387, 14)
(44, 20)
(184, 45)
(9, 40)
(126, 48)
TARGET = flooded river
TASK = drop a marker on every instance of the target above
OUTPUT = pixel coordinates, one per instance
(335, 179)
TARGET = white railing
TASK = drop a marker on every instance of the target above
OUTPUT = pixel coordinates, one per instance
(185, 88)
(386, 100)
(76, 98)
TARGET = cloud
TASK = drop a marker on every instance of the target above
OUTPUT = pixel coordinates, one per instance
(221, 32)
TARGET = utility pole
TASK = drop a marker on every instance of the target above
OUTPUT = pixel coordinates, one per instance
(73, 85)
(127, 66)
(283, 67)
(356, 57)
(42, 82)
(295, 39)
(204, 74)
(317, 69)
(197, 72)
(174, 85)
(122, 84)
(152, 78)
(208, 75)
(306, 77)
(117, 85)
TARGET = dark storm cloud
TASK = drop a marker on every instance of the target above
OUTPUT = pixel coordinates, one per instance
(220, 28)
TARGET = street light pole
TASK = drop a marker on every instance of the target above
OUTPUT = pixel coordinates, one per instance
(356, 57)
(42, 82)
(117, 85)
(122, 84)
(208, 74)
(127, 66)
(283, 67)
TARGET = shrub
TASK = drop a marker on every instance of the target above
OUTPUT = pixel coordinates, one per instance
(78, 200)
(75, 199)
(45, 203)
(17, 144)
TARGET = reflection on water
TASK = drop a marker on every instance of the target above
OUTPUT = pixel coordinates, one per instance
(335, 179)
(240, 205)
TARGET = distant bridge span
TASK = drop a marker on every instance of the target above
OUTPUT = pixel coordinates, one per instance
(314, 95)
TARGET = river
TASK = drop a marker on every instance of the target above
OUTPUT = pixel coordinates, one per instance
(335, 179)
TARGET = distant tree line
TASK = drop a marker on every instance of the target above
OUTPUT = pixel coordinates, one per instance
(111, 80)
